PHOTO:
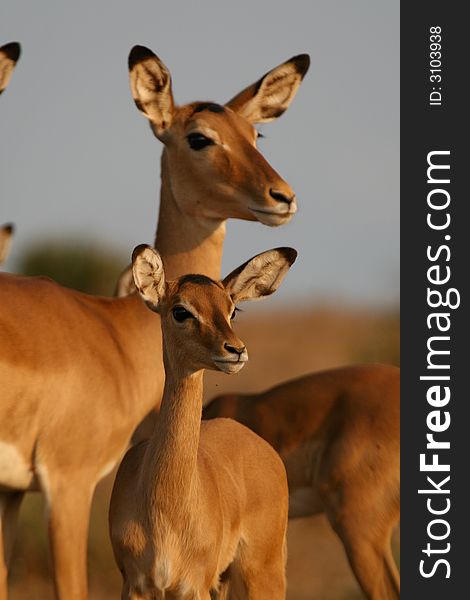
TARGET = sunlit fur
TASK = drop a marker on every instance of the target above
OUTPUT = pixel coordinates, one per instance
(6, 233)
(75, 373)
(228, 179)
(197, 504)
(338, 433)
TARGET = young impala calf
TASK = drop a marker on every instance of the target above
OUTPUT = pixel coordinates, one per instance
(197, 502)
(9, 55)
(338, 433)
(6, 233)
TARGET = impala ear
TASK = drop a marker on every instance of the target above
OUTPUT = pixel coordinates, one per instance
(269, 97)
(260, 276)
(9, 55)
(149, 277)
(150, 83)
(6, 233)
(125, 285)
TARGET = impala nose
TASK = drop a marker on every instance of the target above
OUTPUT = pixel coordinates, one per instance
(281, 196)
(234, 350)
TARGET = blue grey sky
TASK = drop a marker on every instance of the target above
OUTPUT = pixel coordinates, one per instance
(77, 159)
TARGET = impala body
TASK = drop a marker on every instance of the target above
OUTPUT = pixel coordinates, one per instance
(338, 433)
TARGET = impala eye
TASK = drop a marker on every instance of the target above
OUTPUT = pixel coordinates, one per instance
(197, 141)
(234, 314)
(180, 314)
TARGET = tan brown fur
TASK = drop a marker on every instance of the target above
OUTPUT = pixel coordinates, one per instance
(338, 433)
(6, 233)
(209, 500)
(75, 373)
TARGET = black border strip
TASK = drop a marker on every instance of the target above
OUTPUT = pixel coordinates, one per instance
(424, 129)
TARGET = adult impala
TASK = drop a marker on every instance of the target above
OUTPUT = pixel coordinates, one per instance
(75, 372)
(9, 55)
(338, 433)
(197, 502)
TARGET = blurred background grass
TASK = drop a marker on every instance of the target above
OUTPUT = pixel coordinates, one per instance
(283, 342)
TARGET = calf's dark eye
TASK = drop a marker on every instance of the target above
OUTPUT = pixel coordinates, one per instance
(180, 314)
(198, 141)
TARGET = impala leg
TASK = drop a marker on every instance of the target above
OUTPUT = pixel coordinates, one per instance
(374, 567)
(3, 565)
(259, 573)
(366, 534)
(233, 588)
(69, 514)
(269, 583)
(9, 508)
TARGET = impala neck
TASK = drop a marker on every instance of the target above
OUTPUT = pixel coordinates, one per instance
(187, 243)
(170, 463)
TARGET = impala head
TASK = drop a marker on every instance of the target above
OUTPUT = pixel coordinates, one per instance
(6, 233)
(197, 312)
(214, 167)
(9, 55)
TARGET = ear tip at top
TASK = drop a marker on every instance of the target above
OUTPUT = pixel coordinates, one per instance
(8, 227)
(12, 50)
(290, 254)
(138, 54)
(138, 250)
(302, 63)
